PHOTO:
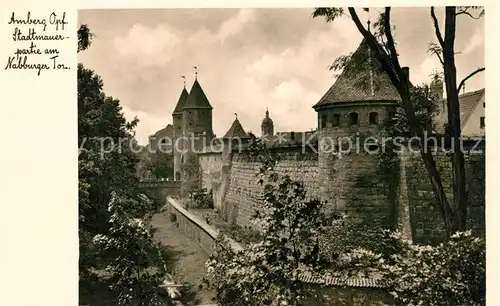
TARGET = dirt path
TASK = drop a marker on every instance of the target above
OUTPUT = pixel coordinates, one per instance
(189, 258)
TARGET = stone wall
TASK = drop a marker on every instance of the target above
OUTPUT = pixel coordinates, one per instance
(349, 183)
(192, 226)
(244, 195)
(424, 216)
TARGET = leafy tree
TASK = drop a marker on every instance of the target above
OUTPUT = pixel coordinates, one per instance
(191, 171)
(114, 217)
(382, 43)
(161, 165)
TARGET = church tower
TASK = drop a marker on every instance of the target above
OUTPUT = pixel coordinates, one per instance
(267, 126)
(177, 144)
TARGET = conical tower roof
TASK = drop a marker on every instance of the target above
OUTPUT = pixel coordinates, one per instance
(236, 131)
(181, 102)
(362, 80)
(197, 98)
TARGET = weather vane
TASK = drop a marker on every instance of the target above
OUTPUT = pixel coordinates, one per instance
(367, 9)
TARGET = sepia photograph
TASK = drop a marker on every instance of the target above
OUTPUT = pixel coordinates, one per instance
(282, 156)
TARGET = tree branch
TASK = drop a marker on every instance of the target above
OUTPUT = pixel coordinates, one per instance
(390, 39)
(468, 77)
(380, 53)
(465, 11)
(436, 27)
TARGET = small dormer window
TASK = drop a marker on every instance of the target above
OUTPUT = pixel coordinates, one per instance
(353, 118)
(481, 122)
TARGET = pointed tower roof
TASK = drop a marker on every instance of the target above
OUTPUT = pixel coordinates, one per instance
(197, 98)
(362, 80)
(181, 102)
(236, 131)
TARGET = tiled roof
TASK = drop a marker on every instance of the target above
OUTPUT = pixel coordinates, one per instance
(468, 103)
(197, 98)
(181, 102)
(236, 131)
(363, 79)
(166, 131)
(360, 282)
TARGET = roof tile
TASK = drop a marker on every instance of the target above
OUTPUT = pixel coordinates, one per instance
(363, 79)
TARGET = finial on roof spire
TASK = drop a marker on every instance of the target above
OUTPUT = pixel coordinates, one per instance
(367, 9)
(267, 112)
(184, 77)
(195, 72)
(236, 116)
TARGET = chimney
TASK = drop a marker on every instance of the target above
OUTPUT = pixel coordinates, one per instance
(406, 72)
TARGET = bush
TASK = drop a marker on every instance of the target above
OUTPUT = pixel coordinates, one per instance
(201, 199)
(452, 273)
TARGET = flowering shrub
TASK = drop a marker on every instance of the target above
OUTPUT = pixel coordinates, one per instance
(453, 273)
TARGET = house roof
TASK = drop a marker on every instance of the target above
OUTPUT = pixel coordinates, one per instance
(181, 102)
(236, 131)
(362, 80)
(197, 98)
(166, 131)
(468, 103)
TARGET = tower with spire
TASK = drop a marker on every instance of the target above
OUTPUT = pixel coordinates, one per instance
(178, 124)
(267, 126)
(192, 119)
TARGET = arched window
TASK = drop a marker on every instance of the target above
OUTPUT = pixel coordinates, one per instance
(322, 123)
(373, 118)
(182, 159)
(177, 176)
(335, 120)
(353, 119)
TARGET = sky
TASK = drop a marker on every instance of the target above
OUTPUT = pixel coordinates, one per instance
(250, 59)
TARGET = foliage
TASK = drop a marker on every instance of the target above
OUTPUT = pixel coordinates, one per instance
(201, 199)
(137, 267)
(191, 174)
(84, 38)
(244, 235)
(161, 165)
(348, 239)
(426, 106)
(453, 273)
(263, 274)
(113, 215)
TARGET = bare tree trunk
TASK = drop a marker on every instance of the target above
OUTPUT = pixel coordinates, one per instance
(399, 79)
(459, 213)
